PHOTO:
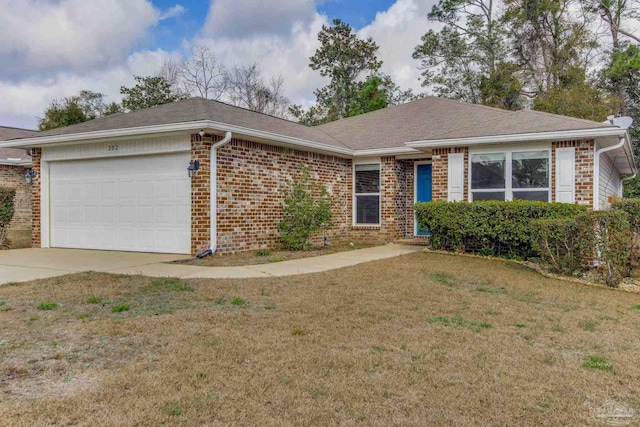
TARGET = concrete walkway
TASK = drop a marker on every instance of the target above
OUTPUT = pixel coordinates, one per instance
(23, 265)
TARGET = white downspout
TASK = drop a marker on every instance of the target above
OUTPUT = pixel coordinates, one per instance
(596, 171)
(214, 191)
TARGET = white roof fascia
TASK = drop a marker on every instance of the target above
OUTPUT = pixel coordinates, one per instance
(522, 137)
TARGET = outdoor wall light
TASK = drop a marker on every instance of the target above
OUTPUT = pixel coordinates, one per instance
(30, 175)
(201, 133)
(194, 166)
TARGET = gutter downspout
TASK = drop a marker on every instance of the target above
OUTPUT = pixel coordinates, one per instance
(214, 194)
(596, 171)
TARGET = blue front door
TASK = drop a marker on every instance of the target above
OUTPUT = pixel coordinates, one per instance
(423, 188)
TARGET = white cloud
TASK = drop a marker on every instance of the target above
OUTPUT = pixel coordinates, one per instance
(24, 101)
(43, 36)
(397, 31)
(70, 51)
(172, 12)
(242, 18)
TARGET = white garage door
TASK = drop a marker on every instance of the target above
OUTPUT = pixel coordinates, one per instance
(138, 203)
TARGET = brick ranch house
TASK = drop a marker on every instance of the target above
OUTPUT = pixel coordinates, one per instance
(121, 182)
(14, 162)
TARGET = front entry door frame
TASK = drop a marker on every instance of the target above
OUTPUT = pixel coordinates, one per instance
(415, 190)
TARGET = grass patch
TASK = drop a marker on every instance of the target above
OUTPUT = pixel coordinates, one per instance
(637, 306)
(262, 252)
(166, 284)
(238, 302)
(588, 325)
(298, 332)
(598, 362)
(444, 278)
(94, 300)
(492, 291)
(4, 306)
(47, 306)
(119, 308)
(459, 322)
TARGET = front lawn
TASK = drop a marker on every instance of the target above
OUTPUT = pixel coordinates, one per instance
(423, 339)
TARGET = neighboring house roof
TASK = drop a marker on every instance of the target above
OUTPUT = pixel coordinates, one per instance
(14, 156)
(433, 118)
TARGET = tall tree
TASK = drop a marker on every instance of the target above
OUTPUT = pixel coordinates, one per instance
(345, 59)
(148, 92)
(202, 75)
(370, 97)
(87, 105)
(467, 57)
(247, 88)
(549, 37)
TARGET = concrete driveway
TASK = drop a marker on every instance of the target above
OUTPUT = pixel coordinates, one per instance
(21, 265)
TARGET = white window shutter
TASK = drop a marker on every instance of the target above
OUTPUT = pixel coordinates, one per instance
(455, 179)
(565, 175)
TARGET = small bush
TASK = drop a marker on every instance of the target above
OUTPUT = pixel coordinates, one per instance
(611, 239)
(488, 228)
(632, 208)
(558, 243)
(306, 211)
(47, 306)
(6, 214)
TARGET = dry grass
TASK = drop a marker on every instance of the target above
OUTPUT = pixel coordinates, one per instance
(423, 339)
(267, 256)
(20, 239)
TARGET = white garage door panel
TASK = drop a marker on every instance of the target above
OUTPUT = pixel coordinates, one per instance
(140, 203)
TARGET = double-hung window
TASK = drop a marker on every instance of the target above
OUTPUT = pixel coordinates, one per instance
(511, 175)
(367, 194)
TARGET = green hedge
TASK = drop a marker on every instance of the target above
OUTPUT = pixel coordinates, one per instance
(569, 245)
(488, 228)
(7, 196)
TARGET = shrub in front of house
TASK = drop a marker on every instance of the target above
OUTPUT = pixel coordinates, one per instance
(594, 238)
(7, 196)
(493, 228)
(306, 211)
(632, 209)
(560, 243)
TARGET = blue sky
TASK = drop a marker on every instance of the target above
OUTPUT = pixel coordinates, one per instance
(100, 45)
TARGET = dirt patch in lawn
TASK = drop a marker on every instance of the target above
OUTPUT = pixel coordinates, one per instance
(266, 256)
(422, 339)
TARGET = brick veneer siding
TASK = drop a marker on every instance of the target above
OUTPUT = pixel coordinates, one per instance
(584, 169)
(13, 177)
(251, 177)
(440, 172)
(36, 238)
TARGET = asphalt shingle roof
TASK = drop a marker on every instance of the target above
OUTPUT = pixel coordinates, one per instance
(11, 133)
(429, 118)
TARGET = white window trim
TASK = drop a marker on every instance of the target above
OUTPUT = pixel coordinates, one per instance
(354, 216)
(415, 189)
(508, 152)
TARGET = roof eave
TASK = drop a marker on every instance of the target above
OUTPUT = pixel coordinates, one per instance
(193, 126)
(521, 137)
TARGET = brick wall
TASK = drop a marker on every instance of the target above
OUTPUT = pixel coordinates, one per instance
(584, 169)
(13, 177)
(251, 177)
(440, 172)
(36, 155)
